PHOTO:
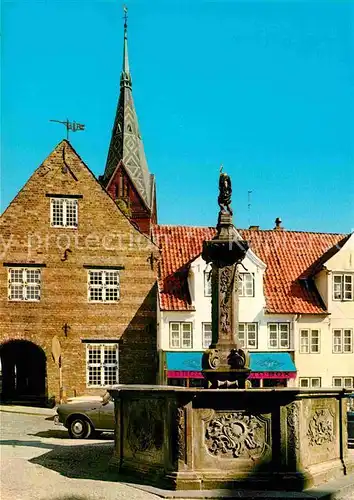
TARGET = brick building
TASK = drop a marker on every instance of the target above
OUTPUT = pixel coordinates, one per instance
(77, 277)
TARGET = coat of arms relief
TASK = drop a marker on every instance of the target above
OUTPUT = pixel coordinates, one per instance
(236, 435)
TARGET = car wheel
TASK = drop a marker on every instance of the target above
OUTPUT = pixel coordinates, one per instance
(80, 428)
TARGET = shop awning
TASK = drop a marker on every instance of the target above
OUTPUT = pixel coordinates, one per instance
(184, 364)
(263, 365)
(272, 365)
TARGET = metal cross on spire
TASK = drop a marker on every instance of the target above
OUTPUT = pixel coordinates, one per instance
(125, 17)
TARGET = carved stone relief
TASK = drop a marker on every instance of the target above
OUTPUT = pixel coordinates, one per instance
(181, 434)
(235, 435)
(321, 428)
(214, 359)
(293, 426)
(226, 278)
(145, 427)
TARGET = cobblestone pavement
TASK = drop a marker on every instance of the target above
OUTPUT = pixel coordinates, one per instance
(40, 462)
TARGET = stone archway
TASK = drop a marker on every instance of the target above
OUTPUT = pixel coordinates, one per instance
(23, 372)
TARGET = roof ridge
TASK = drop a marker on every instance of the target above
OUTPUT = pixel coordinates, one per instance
(284, 231)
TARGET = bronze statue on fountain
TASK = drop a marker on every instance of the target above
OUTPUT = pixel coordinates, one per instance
(225, 363)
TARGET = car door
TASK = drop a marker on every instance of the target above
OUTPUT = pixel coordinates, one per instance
(106, 416)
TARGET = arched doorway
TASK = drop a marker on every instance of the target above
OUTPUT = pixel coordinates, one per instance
(23, 372)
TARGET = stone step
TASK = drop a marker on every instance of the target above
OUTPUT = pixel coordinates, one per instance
(341, 489)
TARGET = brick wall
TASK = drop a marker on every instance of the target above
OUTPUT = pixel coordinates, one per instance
(104, 237)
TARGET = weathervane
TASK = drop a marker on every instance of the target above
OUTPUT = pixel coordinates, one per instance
(74, 126)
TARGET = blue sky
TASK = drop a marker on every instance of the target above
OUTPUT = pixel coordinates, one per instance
(266, 88)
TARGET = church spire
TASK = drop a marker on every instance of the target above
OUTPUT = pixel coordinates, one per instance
(125, 79)
(126, 151)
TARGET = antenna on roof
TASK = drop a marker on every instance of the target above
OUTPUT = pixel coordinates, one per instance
(249, 206)
(74, 126)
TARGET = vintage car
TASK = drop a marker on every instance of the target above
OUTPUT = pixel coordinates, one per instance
(351, 427)
(87, 418)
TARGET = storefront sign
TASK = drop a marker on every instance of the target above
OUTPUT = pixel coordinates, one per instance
(280, 375)
(184, 374)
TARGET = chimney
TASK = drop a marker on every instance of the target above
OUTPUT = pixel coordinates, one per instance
(254, 228)
(278, 226)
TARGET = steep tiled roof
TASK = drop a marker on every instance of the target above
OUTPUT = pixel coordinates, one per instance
(290, 256)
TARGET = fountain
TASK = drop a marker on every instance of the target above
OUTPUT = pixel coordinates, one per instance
(228, 435)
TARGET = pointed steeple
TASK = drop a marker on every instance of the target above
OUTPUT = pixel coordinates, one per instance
(126, 148)
(125, 79)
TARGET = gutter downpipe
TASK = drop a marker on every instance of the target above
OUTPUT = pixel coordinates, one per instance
(295, 319)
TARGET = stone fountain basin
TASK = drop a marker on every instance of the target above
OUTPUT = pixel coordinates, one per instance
(203, 439)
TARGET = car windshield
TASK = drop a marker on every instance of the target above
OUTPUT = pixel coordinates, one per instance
(350, 402)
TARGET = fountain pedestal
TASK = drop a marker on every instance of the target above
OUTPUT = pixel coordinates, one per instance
(225, 363)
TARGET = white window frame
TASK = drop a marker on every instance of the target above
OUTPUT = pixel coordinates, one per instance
(207, 283)
(342, 334)
(183, 327)
(339, 291)
(248, 329)
(278, 337)
(310, 335)
(65, 202)
(24, 283)
(244, 280)
(206, 343)
(310, 382)
(105, 286)
(343, 382)
(101, 364)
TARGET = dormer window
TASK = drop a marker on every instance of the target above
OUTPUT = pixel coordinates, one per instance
(246, 285)
(343, 286)
(207, 282)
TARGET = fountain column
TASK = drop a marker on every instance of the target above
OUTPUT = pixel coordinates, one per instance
(225, 363)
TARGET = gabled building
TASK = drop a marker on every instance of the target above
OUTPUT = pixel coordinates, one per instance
(77, 288)
(78, 276)
(126, 177)
(296, 306)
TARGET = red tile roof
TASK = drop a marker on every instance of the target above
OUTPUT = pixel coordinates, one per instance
(290, 257)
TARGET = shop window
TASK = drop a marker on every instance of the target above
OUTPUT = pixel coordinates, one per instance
(274, 382)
